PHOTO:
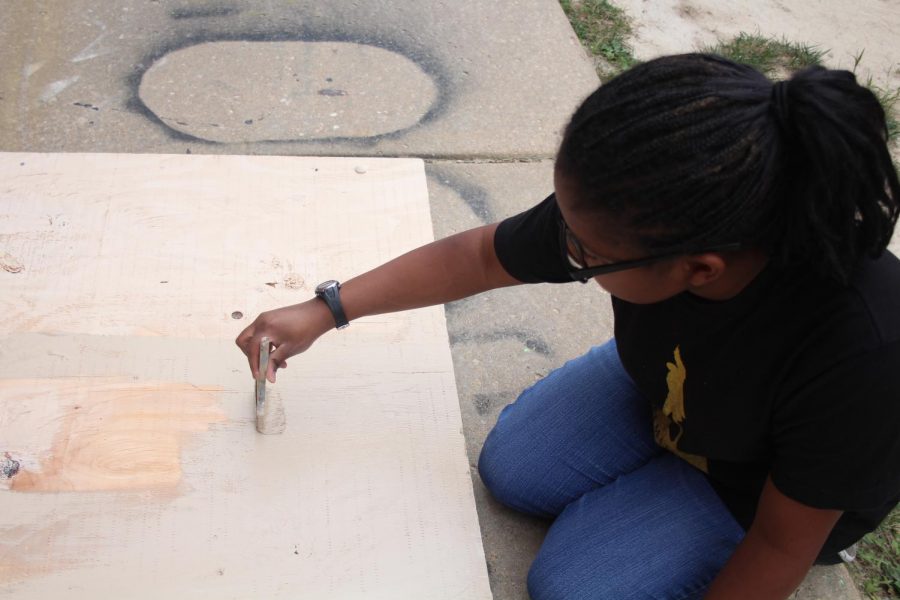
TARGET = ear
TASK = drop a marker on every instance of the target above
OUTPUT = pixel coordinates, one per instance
(703, 269)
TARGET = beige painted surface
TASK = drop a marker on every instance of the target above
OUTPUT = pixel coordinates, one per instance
(127, 413)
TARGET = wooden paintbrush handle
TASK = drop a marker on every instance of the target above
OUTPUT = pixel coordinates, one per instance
(264, 346)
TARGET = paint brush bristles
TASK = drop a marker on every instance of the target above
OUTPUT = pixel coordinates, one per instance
(269, 408)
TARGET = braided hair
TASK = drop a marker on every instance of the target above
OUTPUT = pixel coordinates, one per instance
(694, 151)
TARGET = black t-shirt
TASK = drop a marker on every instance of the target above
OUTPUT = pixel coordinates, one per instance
(795, 377)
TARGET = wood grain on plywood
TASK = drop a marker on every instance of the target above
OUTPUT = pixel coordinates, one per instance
(128, 448)
(107, 433)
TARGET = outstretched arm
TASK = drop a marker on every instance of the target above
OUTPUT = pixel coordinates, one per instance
(449, 269)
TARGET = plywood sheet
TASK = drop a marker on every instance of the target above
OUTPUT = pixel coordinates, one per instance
(129, 462)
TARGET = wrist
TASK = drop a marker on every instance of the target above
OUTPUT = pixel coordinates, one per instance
(322, 318)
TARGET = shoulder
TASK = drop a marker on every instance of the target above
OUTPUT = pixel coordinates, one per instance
(528, 247)
(876, 291)
(843, 344)
(849, 320)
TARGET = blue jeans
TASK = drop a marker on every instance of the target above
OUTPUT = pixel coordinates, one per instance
(631, 520)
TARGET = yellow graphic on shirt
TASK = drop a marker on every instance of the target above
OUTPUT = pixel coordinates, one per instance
(671, 417)
(674, 406)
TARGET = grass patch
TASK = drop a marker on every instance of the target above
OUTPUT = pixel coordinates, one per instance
(780, 58)
(604, 30)
(775, 58)
(876, 569)
(888, 99)
(889, 102)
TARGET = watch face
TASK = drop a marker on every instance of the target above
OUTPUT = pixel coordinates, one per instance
(325, 285)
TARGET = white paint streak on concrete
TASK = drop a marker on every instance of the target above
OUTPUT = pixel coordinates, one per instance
(92, 50)
(54, 89)
(31, 69)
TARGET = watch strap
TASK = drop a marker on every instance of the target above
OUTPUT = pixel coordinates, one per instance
(332, 297)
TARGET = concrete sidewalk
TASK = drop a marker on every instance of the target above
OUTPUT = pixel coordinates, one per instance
(480, 89)
(498, 79)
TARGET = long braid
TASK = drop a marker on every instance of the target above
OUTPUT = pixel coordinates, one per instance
(695, 150)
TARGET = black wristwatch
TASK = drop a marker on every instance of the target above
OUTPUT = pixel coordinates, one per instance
(330, 292)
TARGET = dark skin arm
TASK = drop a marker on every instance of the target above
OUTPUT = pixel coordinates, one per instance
(449, 269)
(780, 547)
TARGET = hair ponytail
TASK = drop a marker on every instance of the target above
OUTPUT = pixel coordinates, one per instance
(694, 150)
(839, 186)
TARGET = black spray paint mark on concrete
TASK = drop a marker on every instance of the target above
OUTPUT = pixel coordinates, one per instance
(486, 403)
(531, 341)
(8, 466)
(476, 197)
(202, 12)
(429, 64)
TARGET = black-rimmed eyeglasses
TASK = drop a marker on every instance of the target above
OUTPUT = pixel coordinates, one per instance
(573, 255)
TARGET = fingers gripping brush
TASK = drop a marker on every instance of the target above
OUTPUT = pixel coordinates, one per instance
(269, 408)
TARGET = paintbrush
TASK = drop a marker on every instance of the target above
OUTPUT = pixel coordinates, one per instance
(269, 408)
